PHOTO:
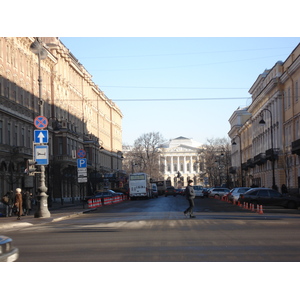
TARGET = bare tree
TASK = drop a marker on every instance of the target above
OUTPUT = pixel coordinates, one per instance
(144, 157)
(217, 161)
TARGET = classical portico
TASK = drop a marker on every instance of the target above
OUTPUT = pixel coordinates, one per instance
(181, 155)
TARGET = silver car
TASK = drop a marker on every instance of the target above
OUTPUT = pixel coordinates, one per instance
(8, 252)
(218, 192)
(235, 193)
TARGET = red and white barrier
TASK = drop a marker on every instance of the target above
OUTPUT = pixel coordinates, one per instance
(94, 202)
(97, 202)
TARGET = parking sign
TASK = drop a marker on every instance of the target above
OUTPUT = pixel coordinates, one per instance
(81, 163)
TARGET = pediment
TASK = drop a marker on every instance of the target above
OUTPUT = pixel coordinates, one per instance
(183, 148)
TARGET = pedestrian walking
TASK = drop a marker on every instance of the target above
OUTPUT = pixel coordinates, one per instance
(190, 196)
(27, 202)
(19, 203)
(9, 204)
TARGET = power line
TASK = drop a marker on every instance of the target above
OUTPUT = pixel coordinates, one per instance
(175, 88)
(179, 54)
(182, 99)
(163, 99)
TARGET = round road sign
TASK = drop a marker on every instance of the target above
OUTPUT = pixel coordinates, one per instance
(40, 122)
(81, 153)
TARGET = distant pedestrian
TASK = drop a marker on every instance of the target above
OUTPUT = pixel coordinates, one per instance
(190, 196)
(27, 202)
(9, 204)
(19, 203)
(284, 189)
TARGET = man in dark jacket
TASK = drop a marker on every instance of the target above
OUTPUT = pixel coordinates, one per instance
(190, 196)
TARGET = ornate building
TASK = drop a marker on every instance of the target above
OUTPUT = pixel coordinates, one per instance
(80, 117)
(182, 160)
(269, 134)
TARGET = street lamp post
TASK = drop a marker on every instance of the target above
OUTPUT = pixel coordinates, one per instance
(42, 212)
(218, 162)
(234, 143)
(262, 122)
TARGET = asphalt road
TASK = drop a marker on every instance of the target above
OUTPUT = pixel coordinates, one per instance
(157, 231)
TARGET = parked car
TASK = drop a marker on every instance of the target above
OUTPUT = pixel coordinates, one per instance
(154, 190)
(235, 193)
(103, 194)
(198, 190)
(179, 191)
(8, 252)
(170, 191)
(220, 192)
(205, 192)
(269, 197)
(115, 193)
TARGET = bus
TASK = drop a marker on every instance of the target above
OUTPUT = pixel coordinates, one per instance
(162, 186)
(139, 186)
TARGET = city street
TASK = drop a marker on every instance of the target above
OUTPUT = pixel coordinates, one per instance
(156, 230)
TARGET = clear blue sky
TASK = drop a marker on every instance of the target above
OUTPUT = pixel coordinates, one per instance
(180, 86)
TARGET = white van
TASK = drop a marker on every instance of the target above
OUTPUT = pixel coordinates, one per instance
(198, 190)
(154, 190)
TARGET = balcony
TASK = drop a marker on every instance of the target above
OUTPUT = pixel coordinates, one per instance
(296, 147)
(260, 159)
(250, 163)
(244, 166)
(272, 153)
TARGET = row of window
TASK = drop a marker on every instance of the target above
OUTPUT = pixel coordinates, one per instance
(288, 96)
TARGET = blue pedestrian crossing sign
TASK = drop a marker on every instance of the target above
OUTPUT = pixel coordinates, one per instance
(41, 154)
(41, 136)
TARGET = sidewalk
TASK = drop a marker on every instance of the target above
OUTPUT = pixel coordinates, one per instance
(58, 212)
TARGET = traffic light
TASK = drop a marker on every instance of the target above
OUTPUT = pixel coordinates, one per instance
(31, 167)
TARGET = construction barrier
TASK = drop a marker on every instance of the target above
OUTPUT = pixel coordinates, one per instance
(261, 209)
(98, 202)
(94, 202)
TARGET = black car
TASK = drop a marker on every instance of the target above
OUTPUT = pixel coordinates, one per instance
(170, 191)
(269, 197)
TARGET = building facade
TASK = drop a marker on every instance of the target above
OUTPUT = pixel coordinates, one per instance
(80, 116)
(182, 155)
(269, 133)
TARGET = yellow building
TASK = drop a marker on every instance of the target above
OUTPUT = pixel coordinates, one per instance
(80, 117)
(269, 137)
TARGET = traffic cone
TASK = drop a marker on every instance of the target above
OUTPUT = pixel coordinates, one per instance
(252, 207)
(257, 208)
(261, 209)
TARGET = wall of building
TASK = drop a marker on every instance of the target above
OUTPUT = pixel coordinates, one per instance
(275, 98)
(88, 119)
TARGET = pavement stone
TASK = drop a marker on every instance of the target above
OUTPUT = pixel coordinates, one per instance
(58, 212)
